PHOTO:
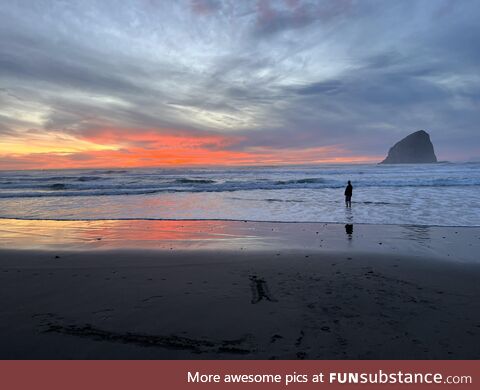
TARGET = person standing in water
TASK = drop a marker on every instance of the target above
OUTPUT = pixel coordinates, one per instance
(348, 194)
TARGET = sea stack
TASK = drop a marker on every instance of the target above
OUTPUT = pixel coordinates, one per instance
(415, 148)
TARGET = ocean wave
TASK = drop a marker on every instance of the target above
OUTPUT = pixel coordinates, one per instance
(112, 182)
(282, 200)
(301, 181)
(429, 195)
(59, 190)
(89, 178)
(45, 194)
(108, 172)
(194, 181)
(57, 186)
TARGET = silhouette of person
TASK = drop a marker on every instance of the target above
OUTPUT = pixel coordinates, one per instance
(348, 194)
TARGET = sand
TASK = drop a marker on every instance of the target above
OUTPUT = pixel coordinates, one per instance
(235, 290)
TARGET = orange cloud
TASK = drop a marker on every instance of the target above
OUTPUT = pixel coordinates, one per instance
(134, 148)
(156, 139)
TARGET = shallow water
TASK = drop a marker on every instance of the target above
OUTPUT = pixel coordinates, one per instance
(432, 194)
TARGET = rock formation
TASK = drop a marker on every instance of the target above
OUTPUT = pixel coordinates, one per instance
(415, 148)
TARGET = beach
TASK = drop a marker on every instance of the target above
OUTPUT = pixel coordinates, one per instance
(237, 290)
(185, 184)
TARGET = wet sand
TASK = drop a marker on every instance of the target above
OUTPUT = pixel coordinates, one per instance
(230, 290)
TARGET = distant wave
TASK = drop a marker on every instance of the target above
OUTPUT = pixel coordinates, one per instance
(58, 186)
(89, 178)
(109, 172)
(59, 189)
(106, 182)
(195, 181)
(77, 193)
(283, 200)
(269, 200)
(301, 181)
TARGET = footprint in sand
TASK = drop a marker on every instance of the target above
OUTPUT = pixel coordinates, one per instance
(260, 290)
(152, 298)
(300, 338)
(240, 346)
(103, 314)
(275, 337)
(301, 355)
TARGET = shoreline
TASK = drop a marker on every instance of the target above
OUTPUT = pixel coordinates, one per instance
(231, 220)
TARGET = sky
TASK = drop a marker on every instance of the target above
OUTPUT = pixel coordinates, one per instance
(138, 83)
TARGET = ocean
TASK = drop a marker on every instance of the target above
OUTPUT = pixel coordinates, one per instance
(442, 194)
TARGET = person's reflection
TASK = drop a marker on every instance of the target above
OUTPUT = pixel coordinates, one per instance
(349, 230)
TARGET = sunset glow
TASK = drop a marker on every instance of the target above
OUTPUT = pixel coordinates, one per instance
(115, 148)
(218, 82)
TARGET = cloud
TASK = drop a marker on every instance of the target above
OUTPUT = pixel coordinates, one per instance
(273, 17)
(282, 76)
(205, 7)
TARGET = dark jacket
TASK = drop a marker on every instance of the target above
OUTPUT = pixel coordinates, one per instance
(348, 190)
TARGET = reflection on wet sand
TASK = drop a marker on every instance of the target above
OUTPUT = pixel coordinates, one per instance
(441, 242)
(108, 234)
(349, 230)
